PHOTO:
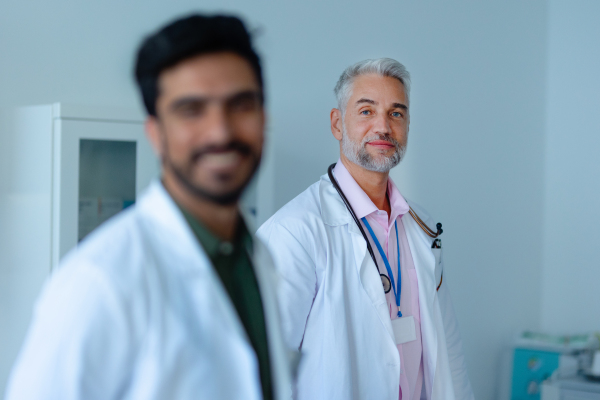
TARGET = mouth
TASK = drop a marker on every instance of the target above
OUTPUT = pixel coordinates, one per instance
(381, 144)
(222, 160)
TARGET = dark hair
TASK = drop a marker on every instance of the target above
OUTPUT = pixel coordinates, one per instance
(185, 38)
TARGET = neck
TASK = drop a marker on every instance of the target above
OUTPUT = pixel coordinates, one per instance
(220, 219)
(373, 183)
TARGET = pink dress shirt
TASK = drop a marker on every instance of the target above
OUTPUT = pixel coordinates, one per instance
(411, 365)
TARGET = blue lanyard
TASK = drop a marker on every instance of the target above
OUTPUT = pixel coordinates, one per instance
(387, 263)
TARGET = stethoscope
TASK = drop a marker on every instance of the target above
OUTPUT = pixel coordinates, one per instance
(385, 280)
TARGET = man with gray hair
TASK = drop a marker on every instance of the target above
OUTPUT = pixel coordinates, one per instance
(362, 293)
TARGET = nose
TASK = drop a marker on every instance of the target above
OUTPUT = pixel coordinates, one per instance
(218, 125)
(381, 124)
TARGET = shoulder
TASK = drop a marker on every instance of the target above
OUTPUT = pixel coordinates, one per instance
(80, 297)
(114, 258)
(116, 248)
(297, 227)
(83, 318)
(301, 213)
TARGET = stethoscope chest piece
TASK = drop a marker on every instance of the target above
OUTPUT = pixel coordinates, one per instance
(385, 281)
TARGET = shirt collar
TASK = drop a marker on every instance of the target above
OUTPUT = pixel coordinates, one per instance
(211, 243)
(398, 203)
(360, 201)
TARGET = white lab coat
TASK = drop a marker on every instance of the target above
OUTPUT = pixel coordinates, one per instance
(334, 308)
(138, 312)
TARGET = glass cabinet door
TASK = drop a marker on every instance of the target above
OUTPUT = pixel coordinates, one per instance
(107, 170)
(99, 169)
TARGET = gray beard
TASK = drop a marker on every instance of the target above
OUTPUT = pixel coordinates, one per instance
(357, 153)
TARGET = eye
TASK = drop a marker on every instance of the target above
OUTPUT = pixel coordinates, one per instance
(366, 112)
(191, 109)
(244, 103)
(397, 114)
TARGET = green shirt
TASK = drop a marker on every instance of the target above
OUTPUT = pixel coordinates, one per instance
(233, 264)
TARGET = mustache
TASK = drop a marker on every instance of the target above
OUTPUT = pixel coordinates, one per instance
(385, 138)
(238, 146)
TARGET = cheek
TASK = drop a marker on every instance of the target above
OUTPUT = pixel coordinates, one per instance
(179, 141)
(358, 131)
(250, 131)
(401, 129)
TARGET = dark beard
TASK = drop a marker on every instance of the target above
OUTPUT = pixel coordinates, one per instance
(223, 199)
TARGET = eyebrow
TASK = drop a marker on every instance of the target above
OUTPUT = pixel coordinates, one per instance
(369, 101)
(364, 100)
(244, 94)
(184, 101)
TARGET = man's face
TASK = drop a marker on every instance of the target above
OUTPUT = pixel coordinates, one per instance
(209, 125)
(375, 124)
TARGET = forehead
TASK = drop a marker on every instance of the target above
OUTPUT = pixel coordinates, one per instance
(213, 74)
(382, 89)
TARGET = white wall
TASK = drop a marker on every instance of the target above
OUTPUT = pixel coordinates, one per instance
(475, 155)
(476, 162)
(571, 293)
(25, 207)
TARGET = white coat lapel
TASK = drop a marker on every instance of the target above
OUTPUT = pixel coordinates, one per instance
(278, 354)
(175, 246)
(370, 278)
(335, 213)
(424, 260)
(180, 249)
(438, 378)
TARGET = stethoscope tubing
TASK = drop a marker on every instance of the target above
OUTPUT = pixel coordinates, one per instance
(413, 214)
(352, 213)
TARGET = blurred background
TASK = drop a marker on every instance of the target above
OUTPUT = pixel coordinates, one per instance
(503, 146)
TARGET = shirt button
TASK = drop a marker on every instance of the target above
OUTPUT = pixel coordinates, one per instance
(225, 248)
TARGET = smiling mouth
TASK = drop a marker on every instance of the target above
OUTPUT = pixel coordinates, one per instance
(221, 160)
(381, 144)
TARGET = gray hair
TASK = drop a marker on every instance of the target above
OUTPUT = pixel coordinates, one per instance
(381, 66)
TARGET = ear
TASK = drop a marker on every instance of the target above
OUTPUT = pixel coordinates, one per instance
(154, 136)
(336, 123)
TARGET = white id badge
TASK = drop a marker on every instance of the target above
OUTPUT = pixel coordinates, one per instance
(404, 329)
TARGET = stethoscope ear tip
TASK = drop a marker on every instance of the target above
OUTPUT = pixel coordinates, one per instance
(439, 228)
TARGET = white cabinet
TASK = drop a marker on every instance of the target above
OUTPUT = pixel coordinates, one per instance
(63, 171)
(100, 165)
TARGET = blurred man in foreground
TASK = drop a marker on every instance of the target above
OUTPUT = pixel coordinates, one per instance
(171, 299)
